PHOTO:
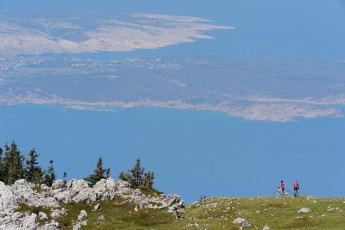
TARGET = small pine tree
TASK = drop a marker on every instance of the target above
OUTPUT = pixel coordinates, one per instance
(33, 173)
(137, 173)
(64, 177)
(99, 173)
(6, 147)
(134, 176)
(12, 165)
(148, 180)
(49, 175)
(137, 178)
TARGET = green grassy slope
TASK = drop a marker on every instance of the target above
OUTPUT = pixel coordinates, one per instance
(217, 213)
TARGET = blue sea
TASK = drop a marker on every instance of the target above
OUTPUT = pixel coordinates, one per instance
(192, 153)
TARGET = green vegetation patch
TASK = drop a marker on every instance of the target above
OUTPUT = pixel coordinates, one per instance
(24, 208)
(119, 214)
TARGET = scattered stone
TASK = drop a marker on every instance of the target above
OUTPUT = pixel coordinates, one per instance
(242, 222)
(304, 210)
(84, 222)
(136, 208)
(212, 205)
(266, 228)
(50, 226)
(330, 208)
(101, 217)
(82, 215)
(58, 213)
(76, 226)
(97, 207)
(42, 216)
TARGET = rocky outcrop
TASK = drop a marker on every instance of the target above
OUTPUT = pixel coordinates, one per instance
(21, 221)
(7, 198)
(61, 192)
(22, 192)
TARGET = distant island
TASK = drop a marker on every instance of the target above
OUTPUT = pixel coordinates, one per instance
(256, 89)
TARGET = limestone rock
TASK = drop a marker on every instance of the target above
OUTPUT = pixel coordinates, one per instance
(75, 190)
(59, 184)
(105, 189)
(304, 210)
(172, 199)
(76, 226)
(84, 222)
(242, 222)
(7, 198)
(97, 207)
(42, 216)
(29, 221)
(45, 188)
(82, 215)
(123, 187)
(136, 208)
(56, 213)
(50, 226)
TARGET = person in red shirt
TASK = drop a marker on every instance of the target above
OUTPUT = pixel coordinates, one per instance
(282, 186)
(295, 188)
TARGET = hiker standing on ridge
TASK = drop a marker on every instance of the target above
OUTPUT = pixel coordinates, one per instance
(295, 188)
(282, 186)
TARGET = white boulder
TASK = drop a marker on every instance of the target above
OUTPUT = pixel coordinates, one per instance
(304, 210)
(82, 215)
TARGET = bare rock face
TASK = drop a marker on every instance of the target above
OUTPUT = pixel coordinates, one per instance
(105, 189)
(75, 190)
(21, 221)
(58, 184)
(22, 192)
(7, 198)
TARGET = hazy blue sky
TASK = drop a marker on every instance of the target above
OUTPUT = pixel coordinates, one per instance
(198, 153)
